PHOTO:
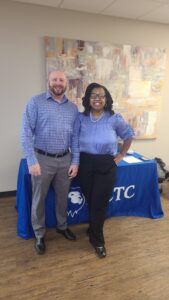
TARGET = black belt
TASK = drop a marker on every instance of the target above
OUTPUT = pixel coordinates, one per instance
(51, 154)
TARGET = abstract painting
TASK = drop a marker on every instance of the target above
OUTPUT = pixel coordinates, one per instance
(134, 75)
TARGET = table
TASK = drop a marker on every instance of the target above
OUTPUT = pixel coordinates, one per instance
(135, 193)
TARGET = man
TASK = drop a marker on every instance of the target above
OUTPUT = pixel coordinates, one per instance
(50, 143)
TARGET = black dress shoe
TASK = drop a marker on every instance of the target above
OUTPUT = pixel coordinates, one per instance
(67, 233)
(101, 251)
(40, 245)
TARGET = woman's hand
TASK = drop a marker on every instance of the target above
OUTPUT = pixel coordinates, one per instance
(118, 158)
(125, 146)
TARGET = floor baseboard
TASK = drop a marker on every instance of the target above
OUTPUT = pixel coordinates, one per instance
(7, 194)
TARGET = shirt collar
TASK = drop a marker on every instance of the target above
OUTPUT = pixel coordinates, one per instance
(49, 96)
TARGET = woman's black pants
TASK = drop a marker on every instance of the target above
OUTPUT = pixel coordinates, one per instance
(97, 177)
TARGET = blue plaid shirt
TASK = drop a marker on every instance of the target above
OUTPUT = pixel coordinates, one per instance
(50, 126)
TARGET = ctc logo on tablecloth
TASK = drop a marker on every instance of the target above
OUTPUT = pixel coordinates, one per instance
(77, 200)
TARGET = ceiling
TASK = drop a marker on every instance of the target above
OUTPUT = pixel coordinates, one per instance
(143, 10)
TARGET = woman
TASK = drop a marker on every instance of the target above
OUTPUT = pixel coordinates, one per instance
(100, 130)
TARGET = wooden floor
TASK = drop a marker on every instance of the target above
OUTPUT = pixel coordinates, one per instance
(136, 266)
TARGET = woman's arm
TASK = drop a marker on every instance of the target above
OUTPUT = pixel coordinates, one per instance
(125, 146)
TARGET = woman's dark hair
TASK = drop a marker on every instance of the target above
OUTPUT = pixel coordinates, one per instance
(86, 99)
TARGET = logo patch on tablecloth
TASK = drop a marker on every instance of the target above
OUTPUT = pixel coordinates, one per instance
(77, 200)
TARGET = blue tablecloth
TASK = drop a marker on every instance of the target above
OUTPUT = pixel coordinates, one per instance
(135, 194)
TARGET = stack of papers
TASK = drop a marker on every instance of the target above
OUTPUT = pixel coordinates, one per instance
(131, 159)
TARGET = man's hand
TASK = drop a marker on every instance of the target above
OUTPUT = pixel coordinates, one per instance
(73, 171)
(35, 170)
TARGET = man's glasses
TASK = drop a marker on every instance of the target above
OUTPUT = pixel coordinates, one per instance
(95, 96)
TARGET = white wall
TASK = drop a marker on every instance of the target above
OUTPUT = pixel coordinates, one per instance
(22, 68)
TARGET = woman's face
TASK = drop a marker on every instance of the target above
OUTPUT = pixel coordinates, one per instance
(97, 99)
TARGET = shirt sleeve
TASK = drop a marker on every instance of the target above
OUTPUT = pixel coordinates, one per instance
(75, 141)
(123, 129)
(27, 132)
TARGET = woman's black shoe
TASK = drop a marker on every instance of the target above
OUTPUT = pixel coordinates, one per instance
(101, 251)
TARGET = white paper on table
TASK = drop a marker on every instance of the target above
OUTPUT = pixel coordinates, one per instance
(131, 159)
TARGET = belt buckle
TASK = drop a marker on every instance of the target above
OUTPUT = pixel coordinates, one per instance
(61, 154)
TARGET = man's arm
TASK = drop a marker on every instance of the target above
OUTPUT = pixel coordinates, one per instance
(75, 149)
(27, 137)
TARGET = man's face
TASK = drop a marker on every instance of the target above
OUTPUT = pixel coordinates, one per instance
(57, 83)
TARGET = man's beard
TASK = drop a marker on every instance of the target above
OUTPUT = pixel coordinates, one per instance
(58, 92)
